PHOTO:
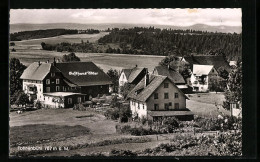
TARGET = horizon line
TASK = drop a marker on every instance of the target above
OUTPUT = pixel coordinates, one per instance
(124, 23)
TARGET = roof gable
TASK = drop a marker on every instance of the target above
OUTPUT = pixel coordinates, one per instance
(202, 69)
(145, 92)
(217, 61)
(36, 71)
(171, 74)
(132, 74)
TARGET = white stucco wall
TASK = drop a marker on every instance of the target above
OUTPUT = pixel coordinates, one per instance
(122, 79)
(171, 90)
(39, 85)
(202, 87)
(47, 100)
(141, 110)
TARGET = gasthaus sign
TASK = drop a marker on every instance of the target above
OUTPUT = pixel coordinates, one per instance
(76, 73)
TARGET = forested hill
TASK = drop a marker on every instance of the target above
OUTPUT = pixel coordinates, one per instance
(35, 34)
(153, 41)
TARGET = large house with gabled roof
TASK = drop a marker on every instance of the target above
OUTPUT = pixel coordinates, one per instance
(64, 84)
(157, 96)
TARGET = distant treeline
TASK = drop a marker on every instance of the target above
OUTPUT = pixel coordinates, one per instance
(89, 31)
(151, 41)
(35, 34)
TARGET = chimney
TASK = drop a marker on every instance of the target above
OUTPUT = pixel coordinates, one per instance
(136, 65)
(146, 79)
(47, 61)
(39, 63)
(54, 62)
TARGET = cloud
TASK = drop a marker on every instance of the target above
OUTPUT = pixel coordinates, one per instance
(178, 17)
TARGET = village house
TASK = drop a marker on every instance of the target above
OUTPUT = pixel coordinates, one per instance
(132, 76)
(157, 96)
(176, 77)
(217, 61)
(64, 84)
(202, 77)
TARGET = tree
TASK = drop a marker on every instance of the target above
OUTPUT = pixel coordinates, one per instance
(12, 44)
(16, 70)
(233, 93)
(223, 73)
(125, 113)
(125, 89)
(22, 99)
(70, 58)
(114, 75)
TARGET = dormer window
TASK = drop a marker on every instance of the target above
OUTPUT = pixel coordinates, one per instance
(52, 74)
(166, 85)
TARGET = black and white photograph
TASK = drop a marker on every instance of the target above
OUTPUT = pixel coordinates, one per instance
(125, 82)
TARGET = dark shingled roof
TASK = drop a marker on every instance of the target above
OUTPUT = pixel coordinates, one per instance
(36, 72)
(131, 74)
(84, 80)
(145, 92)
(216, 61)
(173, 75)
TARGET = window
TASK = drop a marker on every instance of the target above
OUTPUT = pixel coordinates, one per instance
(79, 99)
(166, 85)
(170, 104)
(69, 100)
(156, 106)
(176, 95)
(52, 74)
(143, 106)
(48, 81)
(166, 106)
(176, 105)
(138, 106)
(64, 89)
(57, 88)
(155, 95)
(57, 81)
(166, 96)
(48, 89)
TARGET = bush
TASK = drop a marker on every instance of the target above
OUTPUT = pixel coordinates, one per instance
(112, 114)
(115, 152)
(79, 107)
(38, 105)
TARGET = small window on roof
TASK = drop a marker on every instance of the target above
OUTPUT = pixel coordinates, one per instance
(52, 74)
(166, 85)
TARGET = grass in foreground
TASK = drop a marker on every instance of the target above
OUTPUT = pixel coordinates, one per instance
(39, 133)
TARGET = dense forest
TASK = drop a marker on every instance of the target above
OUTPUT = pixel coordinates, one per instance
(151, 41)
(35, 34)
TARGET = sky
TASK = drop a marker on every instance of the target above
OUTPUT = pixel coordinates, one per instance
(176, 17)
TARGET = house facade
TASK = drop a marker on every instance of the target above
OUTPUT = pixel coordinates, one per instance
(157, 96)
(132, 76)
(64, 84)
(202, 77)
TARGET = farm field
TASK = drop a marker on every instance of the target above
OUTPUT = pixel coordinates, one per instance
(84, 131)
(29, 51)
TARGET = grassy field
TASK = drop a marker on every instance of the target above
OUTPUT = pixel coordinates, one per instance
(29, 51)
(207, 104)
